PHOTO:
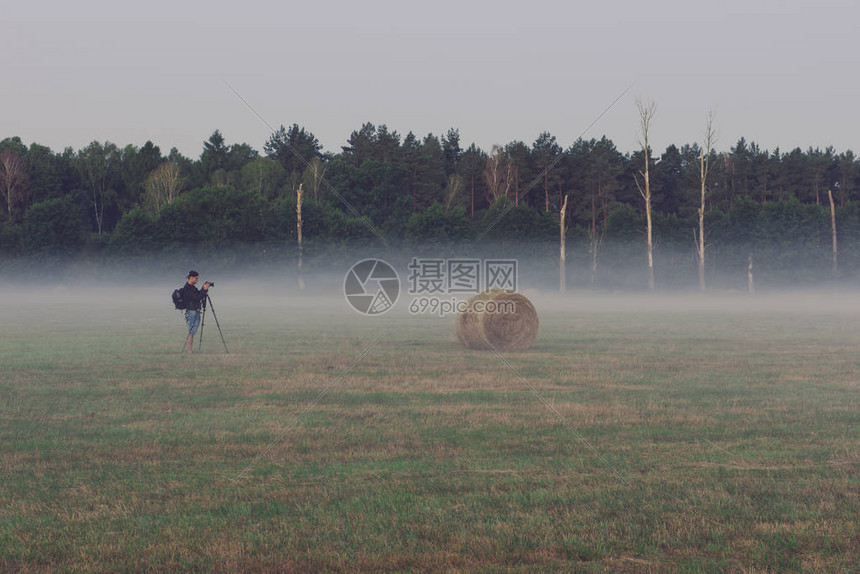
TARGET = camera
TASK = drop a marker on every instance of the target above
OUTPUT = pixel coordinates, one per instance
(211, 283)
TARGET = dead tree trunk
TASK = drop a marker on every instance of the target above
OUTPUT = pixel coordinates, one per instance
(650, 238)
(704, 161)
(750, 281)
(833, 232)
(595, 237)
(592, 234)
(299, 233)
(562, 273)
(646, 113)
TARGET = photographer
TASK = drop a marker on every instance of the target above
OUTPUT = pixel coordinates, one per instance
(194, 300)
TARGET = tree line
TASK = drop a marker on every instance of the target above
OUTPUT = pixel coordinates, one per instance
(108, 201)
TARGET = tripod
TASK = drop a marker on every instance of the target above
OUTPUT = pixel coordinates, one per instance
(203, 322)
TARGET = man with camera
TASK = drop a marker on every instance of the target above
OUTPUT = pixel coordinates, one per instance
(194, 299)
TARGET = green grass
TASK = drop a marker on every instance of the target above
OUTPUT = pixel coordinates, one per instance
(738, 433)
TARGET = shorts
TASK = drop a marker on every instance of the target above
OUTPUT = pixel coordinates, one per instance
(192, 320)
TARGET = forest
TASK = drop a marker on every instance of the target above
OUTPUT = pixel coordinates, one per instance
(770, 209)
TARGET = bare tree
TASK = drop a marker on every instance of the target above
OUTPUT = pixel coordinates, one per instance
(499, 175)
(750, 279)
(833, 232)
(562, 273)
(163, 185)
(646, 114)
(704, 166)
(299, 232)
(13, 182)
(595, 234)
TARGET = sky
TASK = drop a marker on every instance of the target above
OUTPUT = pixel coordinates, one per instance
(780, 73)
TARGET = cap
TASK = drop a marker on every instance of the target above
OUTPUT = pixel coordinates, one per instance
(193, 273)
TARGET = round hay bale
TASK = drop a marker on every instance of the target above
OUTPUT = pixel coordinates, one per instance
(507, 321)
(468, 323)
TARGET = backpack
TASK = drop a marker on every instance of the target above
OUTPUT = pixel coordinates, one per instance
(178, 299)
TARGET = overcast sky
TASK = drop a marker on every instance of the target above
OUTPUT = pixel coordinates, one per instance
(780, 73)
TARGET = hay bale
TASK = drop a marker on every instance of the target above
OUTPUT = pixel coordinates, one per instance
(509, 321)
(468, 323)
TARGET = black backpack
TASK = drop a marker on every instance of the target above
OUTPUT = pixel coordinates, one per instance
(178, 299)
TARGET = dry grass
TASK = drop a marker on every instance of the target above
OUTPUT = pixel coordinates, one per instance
(738, 438)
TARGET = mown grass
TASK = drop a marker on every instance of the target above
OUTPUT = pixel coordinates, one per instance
(737, 432)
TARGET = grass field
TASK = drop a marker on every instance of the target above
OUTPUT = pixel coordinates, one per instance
(733, 425)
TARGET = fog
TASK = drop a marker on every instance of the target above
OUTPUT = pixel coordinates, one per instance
(121, 299)
(64, 295)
